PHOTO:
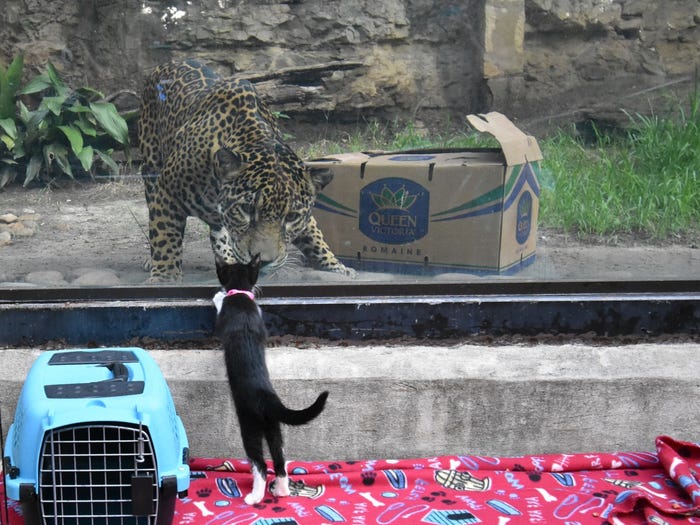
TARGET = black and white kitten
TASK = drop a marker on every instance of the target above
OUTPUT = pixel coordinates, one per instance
(260, 411)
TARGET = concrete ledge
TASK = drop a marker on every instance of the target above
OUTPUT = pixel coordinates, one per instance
(424, 401)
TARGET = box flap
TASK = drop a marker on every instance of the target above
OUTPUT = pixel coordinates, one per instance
(342, 158)
(518, 148)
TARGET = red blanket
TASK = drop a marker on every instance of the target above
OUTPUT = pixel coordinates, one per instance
(578, 489)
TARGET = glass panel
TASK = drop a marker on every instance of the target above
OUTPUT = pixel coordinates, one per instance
(606, 92)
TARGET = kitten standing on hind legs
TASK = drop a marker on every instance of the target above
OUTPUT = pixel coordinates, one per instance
(260, 411)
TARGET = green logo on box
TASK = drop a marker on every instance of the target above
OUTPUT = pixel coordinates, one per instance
(394, 210)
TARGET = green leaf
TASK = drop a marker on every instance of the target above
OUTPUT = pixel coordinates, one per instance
(74, 137)
(8, 141)
(7, 175)
(9, 126)
(13, 75)
(57, 153)
(33, 167)
(90, 93)
(86, 127)
(35, 124)
(79, 108)
(109, 162)
(9, 85)
(109, 118)
(55, 79)
(54, 104)
(18, 149)
(37, 84)
(86, 157)
(24, 113)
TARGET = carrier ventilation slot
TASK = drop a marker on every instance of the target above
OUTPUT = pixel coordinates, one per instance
(98, 357)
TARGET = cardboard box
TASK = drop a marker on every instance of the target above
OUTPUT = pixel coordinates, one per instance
(435, 211)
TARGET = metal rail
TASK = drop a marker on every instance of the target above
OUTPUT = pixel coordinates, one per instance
(357, 312)
(348, 290)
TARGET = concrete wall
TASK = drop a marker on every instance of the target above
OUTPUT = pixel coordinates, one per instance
(424, 401)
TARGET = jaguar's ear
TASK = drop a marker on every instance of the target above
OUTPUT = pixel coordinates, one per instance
(320, 177)
(228, 162)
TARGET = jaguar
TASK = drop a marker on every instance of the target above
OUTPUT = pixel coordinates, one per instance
(213, 149)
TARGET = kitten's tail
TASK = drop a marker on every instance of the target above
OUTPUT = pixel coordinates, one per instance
(298, 417)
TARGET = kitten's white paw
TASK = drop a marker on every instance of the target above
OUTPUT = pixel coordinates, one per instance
(219, 301)
(258, 492)
(253, 498)
(280, 487)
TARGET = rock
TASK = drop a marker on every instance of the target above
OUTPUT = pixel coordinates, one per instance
(28, 215)
(8, 218)
(573, 15)
(20, 229)
(30, 225)
(5, 238)
(46, 277)
(97, 278)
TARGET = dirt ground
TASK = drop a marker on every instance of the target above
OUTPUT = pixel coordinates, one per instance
(99, 228)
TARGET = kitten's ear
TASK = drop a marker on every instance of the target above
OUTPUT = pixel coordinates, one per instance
(222, 272)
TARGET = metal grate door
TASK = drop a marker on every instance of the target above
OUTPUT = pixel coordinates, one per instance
(103, 474)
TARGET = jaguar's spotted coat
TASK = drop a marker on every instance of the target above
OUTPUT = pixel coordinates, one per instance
(212, 149)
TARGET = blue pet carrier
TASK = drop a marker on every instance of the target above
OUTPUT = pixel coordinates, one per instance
(96, 440)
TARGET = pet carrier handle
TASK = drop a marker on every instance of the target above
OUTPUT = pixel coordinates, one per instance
(121, 373)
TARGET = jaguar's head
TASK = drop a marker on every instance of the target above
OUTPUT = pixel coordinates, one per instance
(266, 199)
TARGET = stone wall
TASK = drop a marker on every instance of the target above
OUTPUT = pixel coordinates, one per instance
(543, 62)
(582, 60)
(342, 60)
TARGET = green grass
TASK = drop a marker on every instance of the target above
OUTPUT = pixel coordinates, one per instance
(643, 181)
(376, 136)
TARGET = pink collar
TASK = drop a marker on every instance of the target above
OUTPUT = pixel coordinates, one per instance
(247, 293)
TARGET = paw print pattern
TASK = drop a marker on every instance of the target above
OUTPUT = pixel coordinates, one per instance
(436, 495)
(204, 493)
(368, 478)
